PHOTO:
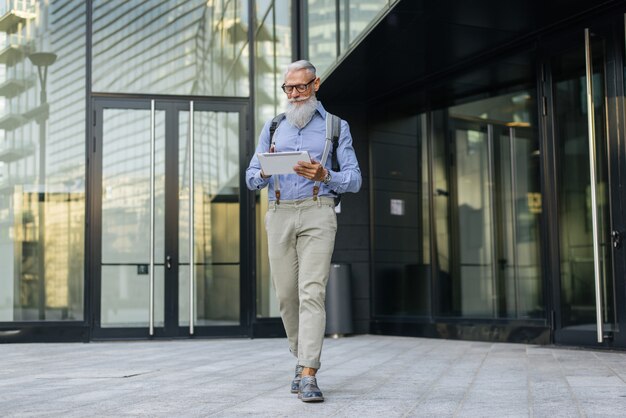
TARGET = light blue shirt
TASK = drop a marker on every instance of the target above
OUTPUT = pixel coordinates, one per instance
(311, 138)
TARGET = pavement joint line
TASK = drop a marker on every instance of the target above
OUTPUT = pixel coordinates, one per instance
(581, 411)
(529, 392)
(430, 387)
(367, 371)
(607, 365)
(469, 388)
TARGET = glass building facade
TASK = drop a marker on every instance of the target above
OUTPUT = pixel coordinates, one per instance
(490, 140)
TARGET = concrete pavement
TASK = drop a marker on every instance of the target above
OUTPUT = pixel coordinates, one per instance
(366, 376)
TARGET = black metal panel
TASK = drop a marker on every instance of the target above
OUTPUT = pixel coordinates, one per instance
(421, 45)
(493, 332)
(161, 333)
(44, 332)
(268, 328)
(171, 215)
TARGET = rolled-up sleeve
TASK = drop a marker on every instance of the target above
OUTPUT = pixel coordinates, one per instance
(254, 181)
(348, 179)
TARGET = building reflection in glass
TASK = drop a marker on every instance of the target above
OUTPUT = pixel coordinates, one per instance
(42, 163)
(191, 47)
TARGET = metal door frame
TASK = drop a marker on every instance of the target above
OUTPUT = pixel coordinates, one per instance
(172, 106)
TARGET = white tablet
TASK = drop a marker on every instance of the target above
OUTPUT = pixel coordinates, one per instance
(281, 162)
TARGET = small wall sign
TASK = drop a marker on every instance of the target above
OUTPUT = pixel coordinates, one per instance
(397, 207)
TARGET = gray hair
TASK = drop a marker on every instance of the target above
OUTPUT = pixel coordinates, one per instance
(301, 65)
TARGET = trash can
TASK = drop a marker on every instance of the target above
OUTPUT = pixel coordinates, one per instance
(339, 301)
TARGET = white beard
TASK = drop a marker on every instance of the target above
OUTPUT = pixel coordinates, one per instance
(300, 114)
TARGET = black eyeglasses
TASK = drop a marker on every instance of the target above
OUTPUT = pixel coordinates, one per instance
(300, 87)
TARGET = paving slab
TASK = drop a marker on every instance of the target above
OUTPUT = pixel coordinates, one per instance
(365, 376)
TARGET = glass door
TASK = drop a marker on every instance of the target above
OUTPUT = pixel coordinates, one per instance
(495, 203)
(166, 179)
(586, 140)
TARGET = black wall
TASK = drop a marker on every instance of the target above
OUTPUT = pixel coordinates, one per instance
(352, 245)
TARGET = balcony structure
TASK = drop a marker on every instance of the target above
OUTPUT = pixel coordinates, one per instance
(12, 18)
(12, 87)
(11, 153)
(11, 121)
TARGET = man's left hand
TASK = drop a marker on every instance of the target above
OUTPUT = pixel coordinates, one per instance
(312, 171)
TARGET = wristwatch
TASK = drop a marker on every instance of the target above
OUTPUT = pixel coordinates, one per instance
(327, 178)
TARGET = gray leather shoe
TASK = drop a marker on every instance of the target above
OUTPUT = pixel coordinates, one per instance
(309, 391)
(295, 383)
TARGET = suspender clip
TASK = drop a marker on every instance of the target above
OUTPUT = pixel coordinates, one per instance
(316, 190)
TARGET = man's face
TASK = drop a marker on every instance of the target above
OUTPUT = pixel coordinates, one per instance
(301, 78)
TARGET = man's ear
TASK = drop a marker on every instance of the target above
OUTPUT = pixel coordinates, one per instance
(317, 84)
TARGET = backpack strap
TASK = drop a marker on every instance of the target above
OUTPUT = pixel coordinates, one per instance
(333, 128)
(336, 131)
(273, 126)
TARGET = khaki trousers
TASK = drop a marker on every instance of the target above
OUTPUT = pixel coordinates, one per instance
(301, 239)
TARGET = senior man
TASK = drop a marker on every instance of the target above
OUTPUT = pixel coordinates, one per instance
(301, 222)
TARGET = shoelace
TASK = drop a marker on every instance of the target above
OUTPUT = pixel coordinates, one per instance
(310, 383)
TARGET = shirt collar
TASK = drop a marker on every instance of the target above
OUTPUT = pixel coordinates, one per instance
(320, 109)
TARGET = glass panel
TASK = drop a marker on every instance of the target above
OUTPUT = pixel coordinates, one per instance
(126, 217)
(126, 186)
(519, 207)
(216, 217)
(475, 281)
(325, 45)
(42, 161)
(193, 47)
(401, 230)
(273, 54)
(578, 304)
(488, 236)
(360, 15)
(217, 295)
(441, 204)
(322, 34)
(126, 297)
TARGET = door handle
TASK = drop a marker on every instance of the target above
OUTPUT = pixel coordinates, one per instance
(593, 183)
(168, 262)
(616, 237)
(152, 214)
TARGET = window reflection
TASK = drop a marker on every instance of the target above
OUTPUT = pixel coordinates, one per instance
(216, 218)
(577, 278)
(351, 17)
(191, 47)
(273, 54)
(42, 161)
(356, 17)
(322, 33)
(488, 203)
